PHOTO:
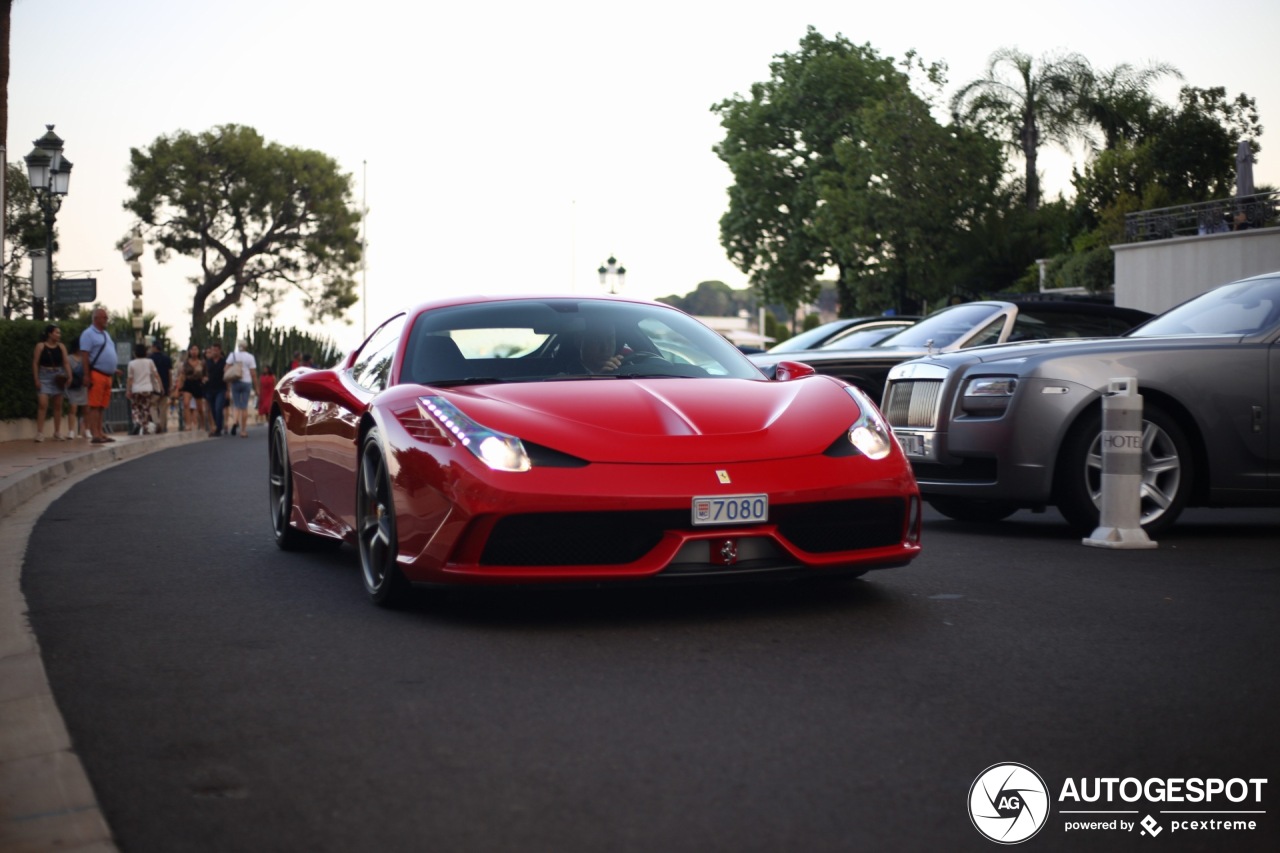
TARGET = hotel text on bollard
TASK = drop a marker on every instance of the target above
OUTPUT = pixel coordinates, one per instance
(1120, 522)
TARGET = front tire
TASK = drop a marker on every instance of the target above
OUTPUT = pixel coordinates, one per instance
(376, 527)
(280, 489)
(1167, 472)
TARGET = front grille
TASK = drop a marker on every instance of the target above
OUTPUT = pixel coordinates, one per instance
(618, 538)
(913, 403)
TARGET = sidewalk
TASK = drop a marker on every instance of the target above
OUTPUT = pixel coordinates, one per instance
(46, 801)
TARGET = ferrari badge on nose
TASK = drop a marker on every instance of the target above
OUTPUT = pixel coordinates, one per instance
(726, 553)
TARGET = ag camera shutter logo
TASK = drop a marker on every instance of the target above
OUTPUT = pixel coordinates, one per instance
(1008, 803)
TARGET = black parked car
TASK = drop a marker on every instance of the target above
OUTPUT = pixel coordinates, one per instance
(996, 429)
(957, 327)
(853, 332)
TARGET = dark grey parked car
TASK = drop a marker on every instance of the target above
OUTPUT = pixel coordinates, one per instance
(995, 429)
(969, 324)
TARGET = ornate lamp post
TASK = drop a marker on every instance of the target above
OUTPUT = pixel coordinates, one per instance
(50, 176)
(618, 273)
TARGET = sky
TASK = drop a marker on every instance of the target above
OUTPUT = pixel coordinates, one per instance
(512, 147)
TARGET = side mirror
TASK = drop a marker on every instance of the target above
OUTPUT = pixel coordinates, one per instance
(324, 386)
(788, 370)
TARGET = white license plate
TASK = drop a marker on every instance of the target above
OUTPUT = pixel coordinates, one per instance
(730, 509)
(912, 443)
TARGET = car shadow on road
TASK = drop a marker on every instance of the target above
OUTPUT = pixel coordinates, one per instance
(631, 604)
(867, 598)
(1241, 524)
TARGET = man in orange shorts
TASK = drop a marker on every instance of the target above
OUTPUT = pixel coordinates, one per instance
(99, 353)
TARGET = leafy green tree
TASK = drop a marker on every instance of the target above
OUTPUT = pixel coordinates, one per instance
(24, 229)
(1118, 102)
(779, 143)
(899, 211)
(1186, 156)
(262, 219)
(1028, 104)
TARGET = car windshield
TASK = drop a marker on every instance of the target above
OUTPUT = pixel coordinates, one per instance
(944, 327)
(532, 340)
(1243, 308)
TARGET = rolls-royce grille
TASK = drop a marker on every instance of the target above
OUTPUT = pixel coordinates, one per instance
(617, 538)
(913, 403)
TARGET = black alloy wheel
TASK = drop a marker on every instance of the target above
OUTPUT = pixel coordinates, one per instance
(376, 527)
(280, 489)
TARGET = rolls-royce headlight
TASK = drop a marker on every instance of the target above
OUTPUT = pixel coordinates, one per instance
(870, 434)
(499, 451)
(988, 396)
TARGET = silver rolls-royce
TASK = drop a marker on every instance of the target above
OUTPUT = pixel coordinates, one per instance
(996, 429)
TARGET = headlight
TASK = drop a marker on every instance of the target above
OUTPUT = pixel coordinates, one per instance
(499, 451)
(988, 396)
(870, 434)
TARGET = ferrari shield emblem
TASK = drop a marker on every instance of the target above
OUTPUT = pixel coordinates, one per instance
(723, 477)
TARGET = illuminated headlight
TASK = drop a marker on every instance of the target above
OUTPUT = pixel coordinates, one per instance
(870, 434)
(499, 451)
(988, 396)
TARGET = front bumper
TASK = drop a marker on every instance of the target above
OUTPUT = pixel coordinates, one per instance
(1010, 457)
(826, 516)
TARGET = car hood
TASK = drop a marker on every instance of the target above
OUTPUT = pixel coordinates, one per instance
(667, 420)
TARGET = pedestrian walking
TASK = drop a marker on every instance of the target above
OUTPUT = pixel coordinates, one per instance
(241, 375)
(195, 411)
(164, 366)
(77, 393)
(141, 388)
(266, 390)
(96, 345)
(51, 370)
(215, 387)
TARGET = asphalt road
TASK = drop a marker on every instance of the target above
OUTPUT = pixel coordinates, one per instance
(224, 695)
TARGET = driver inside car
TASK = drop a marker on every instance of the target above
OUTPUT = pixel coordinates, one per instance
(599, 349)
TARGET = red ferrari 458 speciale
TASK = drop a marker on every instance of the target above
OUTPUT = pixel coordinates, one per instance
(523, 440)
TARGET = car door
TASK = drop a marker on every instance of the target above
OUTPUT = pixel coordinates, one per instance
(333, 429)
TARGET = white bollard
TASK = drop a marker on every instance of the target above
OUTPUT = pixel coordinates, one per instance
(1120, 524)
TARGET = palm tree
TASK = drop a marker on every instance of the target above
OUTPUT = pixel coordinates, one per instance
(1119, 103)
(1026, 103)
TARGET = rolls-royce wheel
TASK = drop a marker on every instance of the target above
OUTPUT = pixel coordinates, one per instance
(376, 527)
(1167, 472)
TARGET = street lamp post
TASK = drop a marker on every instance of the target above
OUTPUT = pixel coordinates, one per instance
(612, 270)
(50, 176)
